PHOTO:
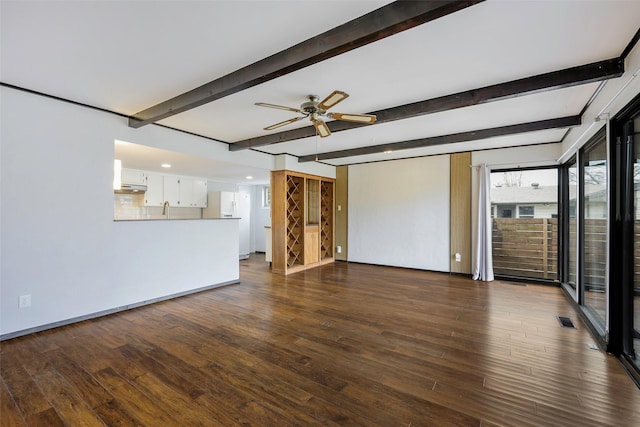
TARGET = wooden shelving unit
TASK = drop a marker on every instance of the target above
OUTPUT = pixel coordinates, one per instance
(326, 220)
(295, 221)
(301, 221)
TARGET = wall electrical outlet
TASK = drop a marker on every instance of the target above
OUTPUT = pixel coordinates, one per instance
(458, 257)
(339, 249)
(25, 301)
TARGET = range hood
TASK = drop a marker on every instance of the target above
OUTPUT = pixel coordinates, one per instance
(131, 189)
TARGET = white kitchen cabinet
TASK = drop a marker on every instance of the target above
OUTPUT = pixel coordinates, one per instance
(133, 176)
(186, 192)
(172, 190)
(155, 189)
(193, 192)
(179, 191)
(199, 193)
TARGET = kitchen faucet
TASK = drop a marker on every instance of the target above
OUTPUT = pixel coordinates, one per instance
(165, 209)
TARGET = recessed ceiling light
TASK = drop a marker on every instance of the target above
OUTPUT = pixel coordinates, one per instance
(166, 165)
(249, 177)
(387, 151)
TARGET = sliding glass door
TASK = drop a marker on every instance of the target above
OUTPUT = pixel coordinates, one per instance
(570, 233)
(524, 211)
(601, 235)
(635, 332)
(625, 235)
(629, 222)
(594, 234)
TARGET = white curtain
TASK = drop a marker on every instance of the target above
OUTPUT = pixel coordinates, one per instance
(483, 261)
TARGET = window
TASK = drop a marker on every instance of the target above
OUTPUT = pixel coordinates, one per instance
(505, 211)
(525, 211)
(266, 197)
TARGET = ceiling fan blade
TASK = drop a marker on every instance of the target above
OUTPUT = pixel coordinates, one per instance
(321, 128)
(279, 107)
(358, 118)
(286, 122)
(332, 99)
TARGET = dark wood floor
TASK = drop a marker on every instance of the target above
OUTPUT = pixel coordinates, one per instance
(341, 344)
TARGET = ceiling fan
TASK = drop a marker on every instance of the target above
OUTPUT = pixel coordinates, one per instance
(314, 110)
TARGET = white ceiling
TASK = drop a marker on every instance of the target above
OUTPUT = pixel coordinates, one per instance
(126, 56)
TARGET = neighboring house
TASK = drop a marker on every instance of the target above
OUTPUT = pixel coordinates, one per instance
(539, 201)
(524, 202)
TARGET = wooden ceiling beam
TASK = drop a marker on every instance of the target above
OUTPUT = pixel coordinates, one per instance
(589, 73)
(376, 25)
(562, 122)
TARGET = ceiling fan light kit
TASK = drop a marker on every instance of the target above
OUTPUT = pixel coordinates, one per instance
(314, 111)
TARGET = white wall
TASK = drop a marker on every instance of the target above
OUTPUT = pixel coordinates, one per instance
(291, 163)
(399, 213)
(59, 241)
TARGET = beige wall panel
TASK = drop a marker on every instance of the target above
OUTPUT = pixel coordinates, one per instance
(460, 212)
(341, 212)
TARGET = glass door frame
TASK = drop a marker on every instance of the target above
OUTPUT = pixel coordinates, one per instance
(622, 211)
(617, 337)
(601, 330)
(558, 257)
(565, 217)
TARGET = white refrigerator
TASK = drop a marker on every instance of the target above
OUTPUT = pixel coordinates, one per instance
(243, 204)
(229, 204)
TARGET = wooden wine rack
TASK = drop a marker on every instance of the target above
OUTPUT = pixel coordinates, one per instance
(295, 220)
(326, 220)
(301, 221)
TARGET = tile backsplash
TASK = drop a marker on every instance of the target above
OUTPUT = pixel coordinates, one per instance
(131, 206)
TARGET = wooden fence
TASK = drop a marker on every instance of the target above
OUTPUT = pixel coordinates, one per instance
(525, 247)
(528, 247)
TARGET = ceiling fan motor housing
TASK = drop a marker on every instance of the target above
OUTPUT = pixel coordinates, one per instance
(311, 106)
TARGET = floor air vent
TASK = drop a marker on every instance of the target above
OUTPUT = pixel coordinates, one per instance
(565, 322)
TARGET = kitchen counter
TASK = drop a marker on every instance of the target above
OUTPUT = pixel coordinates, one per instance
(171, 219)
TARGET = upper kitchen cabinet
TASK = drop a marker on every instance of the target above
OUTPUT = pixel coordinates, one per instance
(185, 192)
(172, 190)
(199, 193)
(155, 189)
(133, 176)
(179, 191)
(193, 192)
